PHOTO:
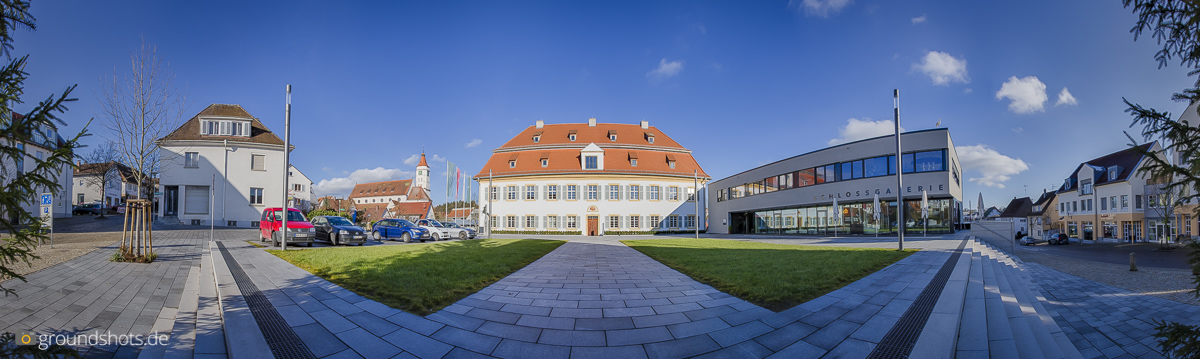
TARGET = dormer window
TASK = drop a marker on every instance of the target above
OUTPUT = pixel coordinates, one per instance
(545, 162)
(537, 137)
(1114, 172)
(671, 161)
(650, 138)
(225, 128)
(545, 159)
(590, 163)
(612, 135)
(633, 162)
(512, 163)
(571, 135)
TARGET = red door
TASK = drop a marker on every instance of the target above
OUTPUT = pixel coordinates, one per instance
(593, 224)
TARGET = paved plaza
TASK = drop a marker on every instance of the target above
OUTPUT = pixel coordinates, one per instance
(590, 298)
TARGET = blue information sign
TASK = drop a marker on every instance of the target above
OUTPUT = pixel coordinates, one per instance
(47, 200)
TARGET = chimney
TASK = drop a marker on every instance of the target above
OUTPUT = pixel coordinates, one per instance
(541, 124)
(645, 125)
(592, 122)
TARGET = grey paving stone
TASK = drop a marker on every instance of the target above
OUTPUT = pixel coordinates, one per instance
(659, 320)
(684, 330)
(709, 312)
(508, 331)
(546, 322)
(573, 338)
(746, 316)
(368, 345)
(637, 336)
(376, 325)
(456, 320)
(313, 334)
(745, 350)
(460, 353)
(630, 352)
(469, 340)
(333, 321)
(604, 323)
(517, 349)
(346, 354)
(525, 309)
(829, 336)
(576, 313)
(681, 348)
(415, 323)
(788, 335)
(419, 345)
(494, 316)
(628, 312)
(730, 336)
(851, 348)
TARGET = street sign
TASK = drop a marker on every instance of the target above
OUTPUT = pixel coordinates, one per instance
(46, 214)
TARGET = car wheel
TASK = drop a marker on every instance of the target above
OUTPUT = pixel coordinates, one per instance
(406, 237)
(333, 239)
(462, 236)
(435, 236)
(375, 235)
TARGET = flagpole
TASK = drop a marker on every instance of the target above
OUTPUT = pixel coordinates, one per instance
(899, 172)
(696, 198)
(490, 210)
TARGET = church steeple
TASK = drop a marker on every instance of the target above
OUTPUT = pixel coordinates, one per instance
(422, 179)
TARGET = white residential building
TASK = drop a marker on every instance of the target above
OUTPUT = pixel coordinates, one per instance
(44, 141)
(226, 152)
(1109, 191)
(592, 179)
(87, 182)
(301, 195)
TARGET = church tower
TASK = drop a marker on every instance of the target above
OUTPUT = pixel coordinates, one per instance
(422, 179)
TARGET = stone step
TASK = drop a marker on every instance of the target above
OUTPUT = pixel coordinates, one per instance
(1052, 340)
(1022, 334)
(1033, 321)
(945, 319)
(972, 334)
(1001, 342)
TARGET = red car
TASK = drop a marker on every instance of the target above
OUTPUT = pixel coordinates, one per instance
(299, 229)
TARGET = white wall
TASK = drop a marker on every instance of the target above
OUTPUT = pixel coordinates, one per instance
(541, 207)
(232, 201)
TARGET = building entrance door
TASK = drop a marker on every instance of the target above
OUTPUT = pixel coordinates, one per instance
(592, 225)
(171, 196)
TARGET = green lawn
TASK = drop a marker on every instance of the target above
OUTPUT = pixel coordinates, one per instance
(773, 276)
(420, 278)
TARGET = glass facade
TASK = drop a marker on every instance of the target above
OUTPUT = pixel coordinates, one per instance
(855, 218)
(916, 162)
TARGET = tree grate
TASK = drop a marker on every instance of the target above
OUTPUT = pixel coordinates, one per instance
(280, 337)
(899, 341)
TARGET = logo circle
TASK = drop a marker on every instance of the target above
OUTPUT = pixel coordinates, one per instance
(26, 339)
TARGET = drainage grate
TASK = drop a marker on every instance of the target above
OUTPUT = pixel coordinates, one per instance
(280, 337)
(898, 343)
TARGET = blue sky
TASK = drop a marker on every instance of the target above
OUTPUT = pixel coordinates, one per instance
(739, 83)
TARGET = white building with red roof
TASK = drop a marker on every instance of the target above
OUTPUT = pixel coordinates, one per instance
(407, 199)
(591, 178)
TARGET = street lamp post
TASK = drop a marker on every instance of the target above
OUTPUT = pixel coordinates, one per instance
(899, 172)
(287, 141)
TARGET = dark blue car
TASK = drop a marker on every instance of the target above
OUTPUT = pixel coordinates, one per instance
(398, 229)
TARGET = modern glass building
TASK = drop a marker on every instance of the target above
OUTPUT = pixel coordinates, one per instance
(797, 195)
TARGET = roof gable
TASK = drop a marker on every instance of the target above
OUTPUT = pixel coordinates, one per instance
(190, 129)
(377, 189)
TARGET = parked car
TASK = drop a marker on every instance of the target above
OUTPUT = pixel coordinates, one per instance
(398, 229)
(87, 208)
(299, 229)
(1058, 238)
(338, 230)
(440, 231)
(470, 232)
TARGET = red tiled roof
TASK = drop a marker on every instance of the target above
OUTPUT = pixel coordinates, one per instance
(616, 160)
(371, 211)
(557, 134)
(461, 212)
(375, 189)
(422, 163)
(418, 194)
(404, 209)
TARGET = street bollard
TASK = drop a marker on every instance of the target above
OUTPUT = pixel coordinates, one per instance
(1133, 262)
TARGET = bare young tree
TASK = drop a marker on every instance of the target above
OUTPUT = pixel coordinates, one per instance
(102, 169)
(140, 108)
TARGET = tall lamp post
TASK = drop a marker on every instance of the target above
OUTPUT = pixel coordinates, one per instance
(899, 171)
(287, 142)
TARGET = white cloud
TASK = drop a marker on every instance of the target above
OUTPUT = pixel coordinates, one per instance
(1018, 130)
(436, 158)
(326, 169)
(474, 142)
(665, 69)
(1028, 94)
(856, 129)
(416, 158)
(943, 68)
(823, 8)
(341, 186)
(918, 20)
(968, 90)
(1065, 98)
(994, 168)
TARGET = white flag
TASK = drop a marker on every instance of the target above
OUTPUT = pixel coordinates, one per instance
(877, 207)
(837, 214)
(925, 204)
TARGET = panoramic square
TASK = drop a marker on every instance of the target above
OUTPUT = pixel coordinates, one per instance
(779, 179)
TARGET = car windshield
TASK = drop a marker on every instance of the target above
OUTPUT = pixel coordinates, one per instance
(404, 223)
(435, 223)
(293, 216)
(339, 221)
(450, 225)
